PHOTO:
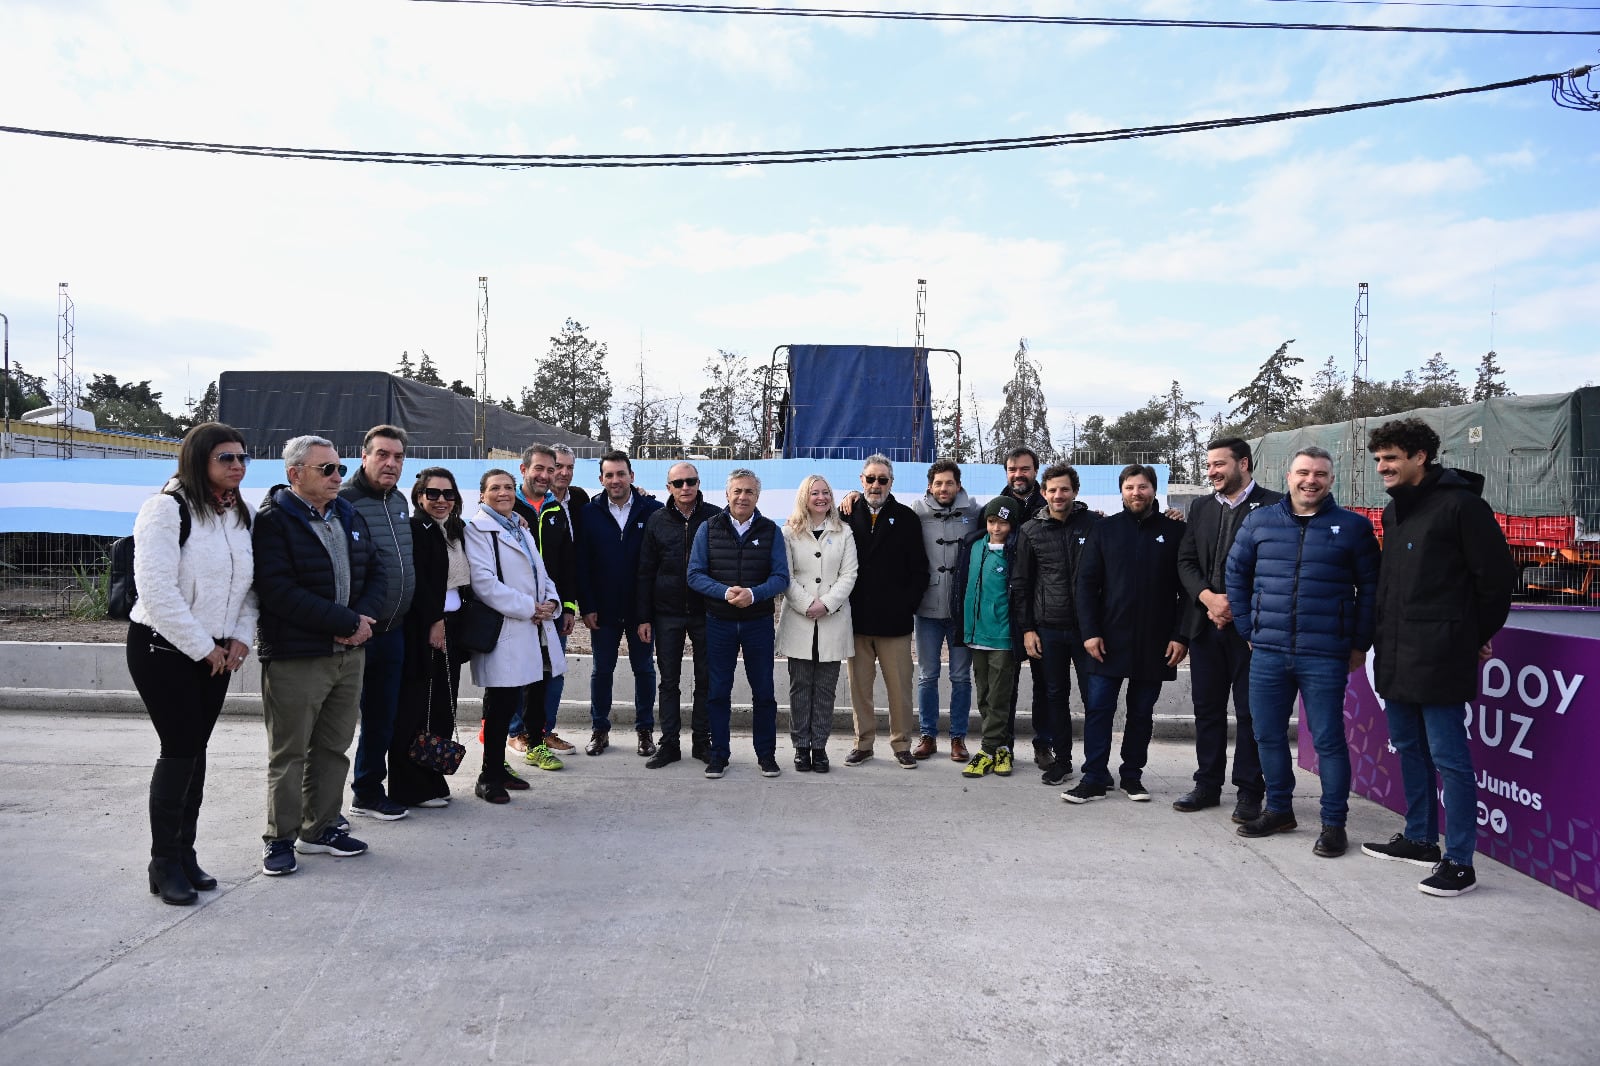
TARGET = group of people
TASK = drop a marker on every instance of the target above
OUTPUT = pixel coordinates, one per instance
(364, 601)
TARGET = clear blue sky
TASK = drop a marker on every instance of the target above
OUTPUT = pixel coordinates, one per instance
(1125, 265)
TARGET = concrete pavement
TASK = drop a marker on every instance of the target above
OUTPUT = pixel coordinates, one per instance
(874, 915)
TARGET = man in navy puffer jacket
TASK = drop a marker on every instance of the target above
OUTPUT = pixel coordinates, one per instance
(1302, 585)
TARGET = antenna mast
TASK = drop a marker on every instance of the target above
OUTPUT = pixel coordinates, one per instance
(66, 372)
(480, 420)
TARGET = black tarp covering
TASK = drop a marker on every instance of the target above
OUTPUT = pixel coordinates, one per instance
(271, 406)
(847, 401)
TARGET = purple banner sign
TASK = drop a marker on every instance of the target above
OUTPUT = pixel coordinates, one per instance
(1534, 732)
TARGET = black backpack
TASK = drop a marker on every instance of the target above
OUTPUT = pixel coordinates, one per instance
(123, 593)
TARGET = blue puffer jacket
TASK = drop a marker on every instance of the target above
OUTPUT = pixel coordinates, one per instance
(1305, 587)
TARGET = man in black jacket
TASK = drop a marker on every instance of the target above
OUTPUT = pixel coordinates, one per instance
(1219, 658)
(672, 611)
(1444, 590)
(1022, 485)
(1129, 606)
(374, 492)
(321, 585)
(552, 526)
(889, 585)
(1048, 549)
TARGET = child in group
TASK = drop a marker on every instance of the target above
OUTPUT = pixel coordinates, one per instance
(981, 608)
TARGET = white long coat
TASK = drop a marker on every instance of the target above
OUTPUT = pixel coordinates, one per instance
(520, 588)
(818, 570)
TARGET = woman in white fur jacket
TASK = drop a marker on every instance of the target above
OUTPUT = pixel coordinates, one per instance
(190, 629)
(815, 631)
(508, 575)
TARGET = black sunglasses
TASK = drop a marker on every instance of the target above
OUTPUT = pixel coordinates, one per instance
(872, 479)
(684, 482)
(327, 469)
(441, 494)
(229, 458)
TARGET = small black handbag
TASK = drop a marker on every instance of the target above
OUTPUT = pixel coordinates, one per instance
(430, 750)
(479, 625)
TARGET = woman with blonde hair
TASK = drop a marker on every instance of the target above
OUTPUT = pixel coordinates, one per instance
(815, 631)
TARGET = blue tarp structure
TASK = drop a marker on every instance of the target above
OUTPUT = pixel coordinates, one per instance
(847, 401)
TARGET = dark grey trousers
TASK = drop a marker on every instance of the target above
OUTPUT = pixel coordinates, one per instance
(812, 687)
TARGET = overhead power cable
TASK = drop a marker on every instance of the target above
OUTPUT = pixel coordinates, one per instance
(1562, 88)
(686, 8)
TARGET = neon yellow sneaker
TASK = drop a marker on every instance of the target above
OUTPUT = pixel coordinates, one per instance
(980, 764)
(543, 758)
(1002, 762)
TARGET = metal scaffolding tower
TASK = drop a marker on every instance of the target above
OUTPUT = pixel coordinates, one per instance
(1359, 374)
(480, 422)
(66, 373)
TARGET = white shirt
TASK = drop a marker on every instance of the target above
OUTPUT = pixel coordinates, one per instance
(742, 528)
(620, 514)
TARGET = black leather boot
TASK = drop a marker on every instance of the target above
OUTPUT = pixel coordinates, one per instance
(169, 783)
(191, 821)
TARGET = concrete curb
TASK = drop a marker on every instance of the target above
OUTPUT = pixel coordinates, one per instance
(71, 677)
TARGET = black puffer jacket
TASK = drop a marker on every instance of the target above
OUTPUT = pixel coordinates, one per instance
(554, 541)
(390, 522)
(1444, 588)
(295, 582)
(664, 562)
(1047, 565)
(1128, 594)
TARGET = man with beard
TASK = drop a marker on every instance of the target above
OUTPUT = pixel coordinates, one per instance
(947, 514)
(1022, 464)
(1219, 656)
(1129, 605)
(670, 612)
(1049, 547)
(533, 729)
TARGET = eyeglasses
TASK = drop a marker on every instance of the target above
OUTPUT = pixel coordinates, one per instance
(229, 458)
(873, 479)
(684, 482)
(326, 469)
(441, 494)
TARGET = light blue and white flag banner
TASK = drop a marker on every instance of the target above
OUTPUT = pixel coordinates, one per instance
(102, 496)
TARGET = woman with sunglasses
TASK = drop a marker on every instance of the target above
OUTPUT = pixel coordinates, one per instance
(432, 672)
(815, 631)
(507, 574)
(189, 630)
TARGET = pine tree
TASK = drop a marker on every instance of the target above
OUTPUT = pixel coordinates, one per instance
(1491, 379)
(461, 388)
(1272, 399)
(944, 427)
(405, 369)
(1439, 387)
(1024, 417)
(572, 389)
(728, 413)
(1329, 402)
(427, 373)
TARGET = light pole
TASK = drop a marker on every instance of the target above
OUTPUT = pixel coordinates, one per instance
(5, 452)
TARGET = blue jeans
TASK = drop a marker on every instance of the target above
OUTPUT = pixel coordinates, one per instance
(1432, 737)
(380, 703)
(1098, 719)
(932, 635)
(553, 687)
(725, 637)
(1320, 681)
(1064, 655)
(641, 658)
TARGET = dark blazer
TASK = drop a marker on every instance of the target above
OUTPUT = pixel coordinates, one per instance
(1128, 594)
(432, 562)
(893, 570)
(1203, 555)
(608, 560)
(1444, 588)
(663, 587)
(295, 581)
